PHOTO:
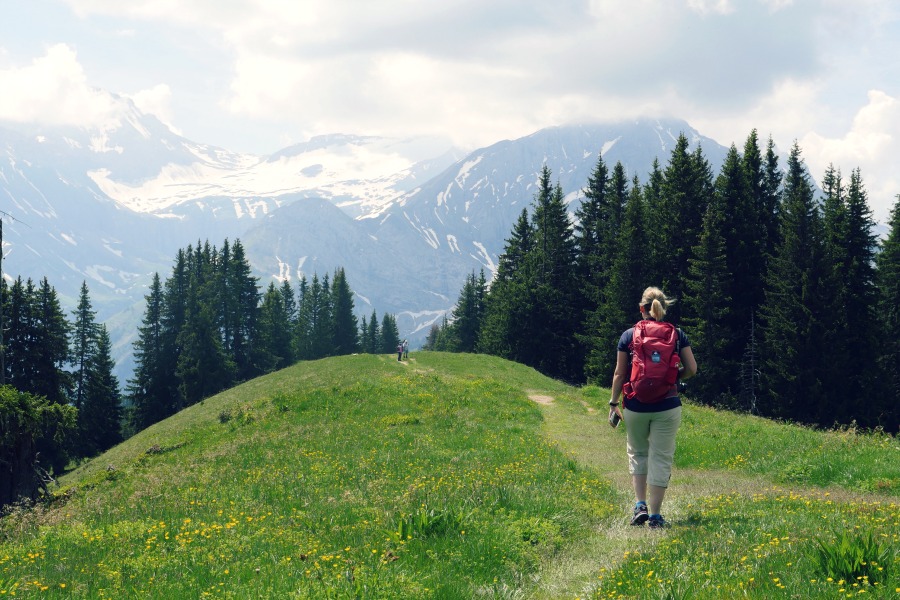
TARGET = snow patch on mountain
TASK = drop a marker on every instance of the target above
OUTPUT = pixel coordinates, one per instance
(484, 257)
(358, 174)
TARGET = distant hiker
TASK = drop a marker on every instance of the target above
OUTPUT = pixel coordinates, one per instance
(643, 366)
(406, 349)
(399, 351)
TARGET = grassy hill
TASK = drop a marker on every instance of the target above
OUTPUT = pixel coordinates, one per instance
(455, 476)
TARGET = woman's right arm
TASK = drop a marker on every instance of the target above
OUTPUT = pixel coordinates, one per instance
(619, 375)
(688, 362)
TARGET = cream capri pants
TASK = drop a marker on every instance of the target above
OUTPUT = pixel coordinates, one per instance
(651, 443)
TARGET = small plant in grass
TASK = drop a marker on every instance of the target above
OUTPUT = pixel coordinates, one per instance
(854, 556)
(425, 522)
(242, 415)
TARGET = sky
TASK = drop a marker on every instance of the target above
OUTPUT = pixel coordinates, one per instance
(257, 76)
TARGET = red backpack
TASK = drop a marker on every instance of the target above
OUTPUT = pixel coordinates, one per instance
(654, 361)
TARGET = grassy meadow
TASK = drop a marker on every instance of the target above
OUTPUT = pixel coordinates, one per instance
(455, 476)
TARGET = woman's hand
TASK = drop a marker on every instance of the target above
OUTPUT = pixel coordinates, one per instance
(615, 415)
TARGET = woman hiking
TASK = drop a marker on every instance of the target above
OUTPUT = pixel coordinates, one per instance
(652, 412)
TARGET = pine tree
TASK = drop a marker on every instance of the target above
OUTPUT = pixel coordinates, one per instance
(469, 313)
(508, 329)
(275, 339)
(390, 335)
(740, 277)
(762, 214)
(152, 388)
(887, 384)
(204, 368)
(554, 317)
(791, 368)
(84, 339)
(316, 338)
(617, 307)
(176, 293)
(28, 338)
(243, 318)
(345, 338)
(289, 300)
(518, 246)
(686, 192)
(373, 342)
(850, 300)
(593, 237)
(364, 346)
(51, 342)
(707, 311)
(655, 257)
(303, 326)
(771, 199)
(100, 417)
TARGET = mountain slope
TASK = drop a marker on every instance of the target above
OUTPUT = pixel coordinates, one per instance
(432, 237)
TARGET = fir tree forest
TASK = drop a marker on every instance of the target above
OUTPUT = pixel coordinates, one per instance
(786, 294)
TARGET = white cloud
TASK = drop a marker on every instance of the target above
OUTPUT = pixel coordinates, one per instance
(705, 7)
(156, 101)
(484, 71)
(53, 89)
(872, 143)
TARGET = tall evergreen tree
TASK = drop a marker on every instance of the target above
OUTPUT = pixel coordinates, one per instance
(84, 340)
(204, 368)
(100, 417)
(850, 299)
(53, 341)
(315, 314)
(686, 192)
(656, 258)
(18, 309)
(518, 246)
(707, 310)
(469, 313)
(373, 335)
(762, 215)
(740, 277)
(390, 334)
(593, 234)
(791, 365)
(152, 388)
(771, 199)
(243, 319)
(618, 304)
(555, 318)
(176, 293)
(345, 338)
(303, 325)
(887, 385)
(508, 329)
(275, 335)
(36, 344)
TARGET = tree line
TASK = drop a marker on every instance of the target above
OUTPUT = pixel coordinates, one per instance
(788, 298)
(60, 399)
(207, 327)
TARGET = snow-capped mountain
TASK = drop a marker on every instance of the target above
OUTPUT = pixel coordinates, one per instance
(407, 219)
(412, 257)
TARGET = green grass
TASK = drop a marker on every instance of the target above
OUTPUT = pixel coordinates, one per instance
(362, 477)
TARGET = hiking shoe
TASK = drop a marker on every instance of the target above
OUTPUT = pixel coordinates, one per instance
(640, 515)
(657, 522)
